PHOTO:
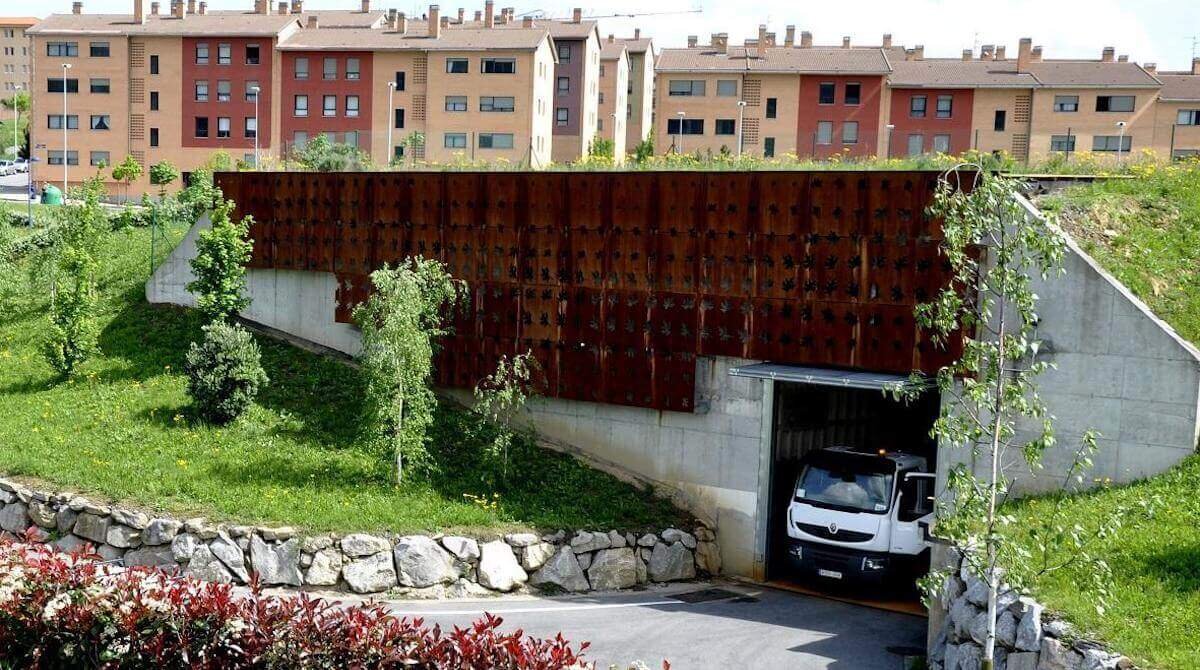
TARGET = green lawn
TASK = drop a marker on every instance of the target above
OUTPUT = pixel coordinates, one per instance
(122, 430)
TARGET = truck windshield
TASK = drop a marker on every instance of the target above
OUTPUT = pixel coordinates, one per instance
(845, 488)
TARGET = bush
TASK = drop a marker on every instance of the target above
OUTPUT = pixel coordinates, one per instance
(224, 372)
(60, 611)
(222, 252)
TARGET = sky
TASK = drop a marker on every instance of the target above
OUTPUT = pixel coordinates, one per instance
(1159, 31)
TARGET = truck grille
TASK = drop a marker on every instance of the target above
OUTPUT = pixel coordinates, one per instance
(841, 536)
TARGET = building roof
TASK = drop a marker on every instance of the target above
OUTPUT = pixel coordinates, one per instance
(232, 23)
(814, 60)
(637, 45)
(451, 39)
(18, 21)
(612, 50)
(344, 18)
(1091, 74)
(958, 73)
(1179, 86)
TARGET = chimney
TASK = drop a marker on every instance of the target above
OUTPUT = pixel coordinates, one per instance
(312, 22)
(692, 39)
(987, 52)
(462, 15)
(366, 6)
(478, 16)
(445, 22)
(762, 40)
(261, 6)
(489, 14)
(805, 40)
(637, 33)
(966, 55)
(435, 21)
(1151, 68)
(1036, 54)
(612, 39)
(154, 8)
(1196, 66)
(191, 6)
(282, 7)
(76, 7)
(139, 11)
(719, 41)
(915, 53)
(297, 6)
(1123, 58)
(503, 18)
(789, 37)
(179, 10)
(1000, 49)
(401, 23)
(887, 40)
(1024, 53)
(577, 15)
(846, 42)
(527, 22)
(1107, 56)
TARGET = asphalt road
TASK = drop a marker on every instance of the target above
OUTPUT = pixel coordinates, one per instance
(747, 627)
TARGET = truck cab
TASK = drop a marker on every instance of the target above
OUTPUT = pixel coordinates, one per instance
(860, 516)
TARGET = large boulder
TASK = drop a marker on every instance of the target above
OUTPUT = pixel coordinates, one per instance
(92, 527)
(498, 567)
(371, 574)
(160, 531)
(43, 515)
(671, 562)
(1058, 656)
(613, 569)
(276, 563)
(207, 567)
(184, 546)
(521, 539)
(1006, 629)
(65, 519)
(15, 517)
(535, 555)
(325, 569)
(708, 557)
(421, 562)
(224, 548)
(361, 544)
(70, 543)
(463, 548)
(157, 557)
(673, 535)
(1025, 660)
(130, 518)
(562, 570)
(1029, 628)
(123, 537)
(585, 541)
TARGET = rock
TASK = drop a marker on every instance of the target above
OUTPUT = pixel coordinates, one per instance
(952, 588)
(65, 519)
(961, 614)
(535, 555)
(91, 527)
(1024, 660)
(643, 575)
(224, 548)
(69, 544)
(157, 556)
(521, 539)
(91, 508)
(970, 657)
(201, 528)
(1029, 628)
(977, 591)
(462, 548)
(613, 569)
(242, 543)
(372, 574)
(281, 534)
(109, 553)
(15, 517)
(184, 546)
(1095, 658)
(206, 566)
(312, 545)
(670, 563)
(645, 553)
(708, 557)
(615, 539)
(305, 559)
(421, 562)
(7, 496)
(1006, 629)
(43, 515)
(361, 544)
(672, 535)
(498, 567)
(276, 563)
(123, 537)
(133, 519)
(1057, 628)
(160, 531)
(585, 560)
(630, 540)
(587, 541)
(556, 537)
(978, 628)
(325, 569)
(240, 531)
(704, 534)
(950, 657)
(465, 588)
(647, 540)
(1058, 656)
(563, 570)
(37, 534)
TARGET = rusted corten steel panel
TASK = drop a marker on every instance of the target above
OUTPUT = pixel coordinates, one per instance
(617, 281)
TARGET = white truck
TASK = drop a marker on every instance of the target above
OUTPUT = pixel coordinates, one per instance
(860, 516)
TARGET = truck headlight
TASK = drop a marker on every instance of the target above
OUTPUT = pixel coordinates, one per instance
(874, 564)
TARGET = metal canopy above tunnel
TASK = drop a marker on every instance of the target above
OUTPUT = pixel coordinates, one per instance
(854, 379)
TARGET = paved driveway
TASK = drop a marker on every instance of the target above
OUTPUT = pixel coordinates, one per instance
(745, 627)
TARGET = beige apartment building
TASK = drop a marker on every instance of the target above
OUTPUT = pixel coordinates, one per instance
(640, 91)
(1177, 114)
(14, 53)
(613, 103)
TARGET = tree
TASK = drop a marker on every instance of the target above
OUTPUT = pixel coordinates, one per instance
(162, 174)
(413, 143)
(321, 155)
(20, 102)
(501, 396)
(400, 323)
(127, 172)
(224, 372)
(73, 327)
(602, 148)
(219, 266)
(644, 150)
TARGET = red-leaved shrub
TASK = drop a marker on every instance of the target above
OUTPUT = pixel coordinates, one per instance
(71, 611)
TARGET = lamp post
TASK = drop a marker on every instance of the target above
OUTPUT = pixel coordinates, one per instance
(741, 113)
(890, 127)
(255, 90)
(66, 67)
(682, 116)
(391, 122)
(16, 122)
(1120, 140)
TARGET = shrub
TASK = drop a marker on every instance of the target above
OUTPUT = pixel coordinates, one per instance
(162, 174)
(59, 611)
(222, 252)
(224, 372)
(73, 330)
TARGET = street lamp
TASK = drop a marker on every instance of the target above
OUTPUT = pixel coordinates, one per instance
(16, 122)
(391, 122)
(255, 90)
(890, 127)
(741, 110)
(682, 116)
(65, 66)
(1120, 140)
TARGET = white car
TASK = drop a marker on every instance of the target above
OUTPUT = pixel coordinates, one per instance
(7, 168)
(21, 164)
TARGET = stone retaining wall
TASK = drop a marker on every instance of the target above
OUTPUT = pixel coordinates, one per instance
(1027, 638)
(412, 565)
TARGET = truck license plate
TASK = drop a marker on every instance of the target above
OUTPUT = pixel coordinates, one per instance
(830, 573)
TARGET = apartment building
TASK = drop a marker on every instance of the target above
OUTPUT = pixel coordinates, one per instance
(613, 101)
(1177, 114)
(14, 53)
(640, 91)
(576, 86)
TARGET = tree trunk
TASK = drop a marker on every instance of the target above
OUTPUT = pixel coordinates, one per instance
(989, 647)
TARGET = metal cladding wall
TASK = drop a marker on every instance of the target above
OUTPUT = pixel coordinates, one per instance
(617, 281)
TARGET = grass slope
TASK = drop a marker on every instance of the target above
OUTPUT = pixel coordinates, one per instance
(122, 431)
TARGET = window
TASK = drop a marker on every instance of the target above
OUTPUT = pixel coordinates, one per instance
(601, 100)
(916, 144)
(55, 122)
(772, 108)
(329, 68)
(498, 66)
(56, 158)
(351, 138)
(824, 132)
(398, 152)
(564, 85)
(202, 53)
(724, 126)
(945, 106)
(488, 103)
(300, 106)
(299, 139)
(727, 88)
(687, 87)
(62, 49)
(602, 69)
(689, 126)
(1185, 154)
(154, 64)
(100, 122)
(301, 68)
(456, 103)
(201, 126)
(1112, 143)
(915, 498)
(329, 105)
(201, 89)
(456, 65)
(564, 53)
(941, 144)
(223, 126)
(1188, 117)
(250, 94)
(454, 140)
(55, 85)
(1001, 120)
(352, 105)
(100, 86)
(853, 94)
(561, 116)
(98, 50)
(353, 68)
(768, 147)
(826, 93)
(600, 125)
(398, 118)
(495, 140)
(252, 54)
(154, 137)
(224, 54)
(224, 90)
(916, 106)
(1115, 103)
(250, 127)
(1062, 143)
(98, 159)
(154, 101)
(400, 81)
(850, 132)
